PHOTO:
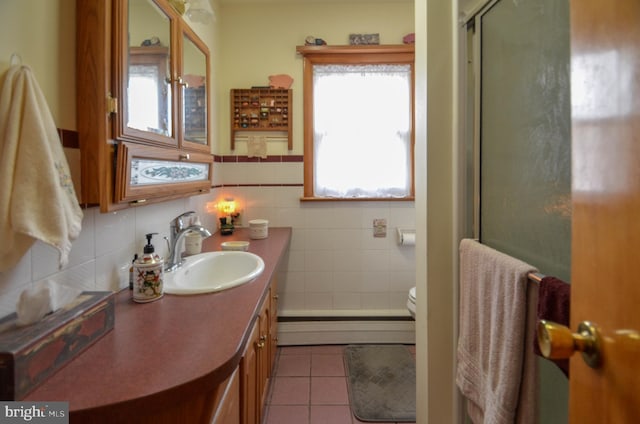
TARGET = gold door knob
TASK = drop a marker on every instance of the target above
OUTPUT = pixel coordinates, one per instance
(558, 342)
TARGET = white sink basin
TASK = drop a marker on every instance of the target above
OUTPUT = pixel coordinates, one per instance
(213, 271)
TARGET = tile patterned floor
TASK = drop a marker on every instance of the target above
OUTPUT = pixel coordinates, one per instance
(309, 386)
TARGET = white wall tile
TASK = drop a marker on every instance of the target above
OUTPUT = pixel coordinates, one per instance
(290, 173)
(347, 260)
(112, 270)
(318, 260)
(291, 301)
(347, 301)
(80, 277)
(319, 239)
(296, 261)
(375, 301)
(347, 281)
(318, 281)
(334, 262)
(318, 301)
(17, 277)
(375, 260)
(113, 229)
(375, 282)
(293, 282)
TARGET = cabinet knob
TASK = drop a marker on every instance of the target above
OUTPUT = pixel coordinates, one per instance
(184, 156)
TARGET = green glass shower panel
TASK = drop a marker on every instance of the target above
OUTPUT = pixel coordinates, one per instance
(525, 208)
(525, 150)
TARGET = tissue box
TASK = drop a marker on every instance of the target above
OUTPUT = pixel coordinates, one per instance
(31, 354)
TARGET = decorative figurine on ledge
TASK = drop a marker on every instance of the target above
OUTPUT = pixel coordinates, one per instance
(230, 214)
(226, 226)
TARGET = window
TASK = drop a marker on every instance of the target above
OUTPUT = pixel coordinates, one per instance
(358, 117)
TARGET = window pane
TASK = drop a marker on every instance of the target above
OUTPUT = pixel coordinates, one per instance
(362, 130)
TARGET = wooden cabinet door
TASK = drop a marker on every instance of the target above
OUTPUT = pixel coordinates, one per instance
(228, 408)
(273, 327)
(249, 378)
(263, 356)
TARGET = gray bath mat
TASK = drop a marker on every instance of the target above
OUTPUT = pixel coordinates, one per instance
(382, 382)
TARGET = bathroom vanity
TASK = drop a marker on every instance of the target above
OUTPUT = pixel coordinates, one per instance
(203, 358)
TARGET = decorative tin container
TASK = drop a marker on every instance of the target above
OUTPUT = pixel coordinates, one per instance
(31, 354)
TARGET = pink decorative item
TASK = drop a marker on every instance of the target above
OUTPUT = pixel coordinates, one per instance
(409, 38)
(280, 81)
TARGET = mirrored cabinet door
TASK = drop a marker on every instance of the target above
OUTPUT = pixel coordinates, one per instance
(194, 97)
(142, 104)
(147, 92)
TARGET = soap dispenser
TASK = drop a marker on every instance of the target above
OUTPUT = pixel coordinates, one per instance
(148, 274)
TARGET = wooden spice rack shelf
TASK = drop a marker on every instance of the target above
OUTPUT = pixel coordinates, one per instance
(261, 109)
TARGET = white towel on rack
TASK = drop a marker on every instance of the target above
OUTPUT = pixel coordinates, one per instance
(37, 198)
(494, 357)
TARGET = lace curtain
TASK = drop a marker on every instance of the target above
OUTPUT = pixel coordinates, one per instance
(362, 130)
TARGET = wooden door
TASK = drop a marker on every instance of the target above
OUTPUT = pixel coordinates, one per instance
(605, 67)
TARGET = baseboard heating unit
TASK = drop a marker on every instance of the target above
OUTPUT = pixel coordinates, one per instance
(345, 327)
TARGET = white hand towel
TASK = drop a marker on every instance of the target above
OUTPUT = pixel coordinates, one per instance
(257, 146)
(493, 353)
(37, 199)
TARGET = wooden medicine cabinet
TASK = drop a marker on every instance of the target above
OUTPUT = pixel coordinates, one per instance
(142, 100)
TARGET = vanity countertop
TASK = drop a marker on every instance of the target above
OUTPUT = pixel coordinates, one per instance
(169, 349)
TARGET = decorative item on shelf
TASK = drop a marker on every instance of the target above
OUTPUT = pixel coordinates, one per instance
(228, 209)
(313, 41)
(409, 38)
(364, 39)
(280, 81)
(153, 41)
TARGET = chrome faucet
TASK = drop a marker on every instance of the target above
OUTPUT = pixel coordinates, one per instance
(178, 230)
(176, 225)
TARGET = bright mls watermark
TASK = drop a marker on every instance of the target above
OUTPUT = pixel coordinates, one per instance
(34, 412)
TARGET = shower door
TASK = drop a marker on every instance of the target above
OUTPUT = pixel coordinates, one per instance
(525, 148)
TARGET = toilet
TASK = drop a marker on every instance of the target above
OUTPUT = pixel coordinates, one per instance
(411, 302)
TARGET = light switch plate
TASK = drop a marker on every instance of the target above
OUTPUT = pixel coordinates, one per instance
(380, 227)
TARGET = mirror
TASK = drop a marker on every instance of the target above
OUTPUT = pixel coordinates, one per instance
(194, 93)
(148, 89)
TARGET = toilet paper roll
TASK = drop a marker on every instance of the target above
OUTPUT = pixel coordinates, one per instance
(406, 237)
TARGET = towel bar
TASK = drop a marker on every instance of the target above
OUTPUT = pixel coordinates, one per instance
(535, 276)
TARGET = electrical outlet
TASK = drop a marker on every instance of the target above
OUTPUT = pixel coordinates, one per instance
(380, 227)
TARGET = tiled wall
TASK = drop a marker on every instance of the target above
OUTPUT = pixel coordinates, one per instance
(101, 256)
(335, 265)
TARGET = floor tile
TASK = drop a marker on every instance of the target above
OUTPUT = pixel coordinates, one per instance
(327, 350)
(309, 387)
(333, 414)
(290, 391)
(287, 414)
(293, 365)
(327, 365)
(294, 350)
(329, 391)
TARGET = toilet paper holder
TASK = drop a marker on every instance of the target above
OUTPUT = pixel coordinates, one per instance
(406, 237)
